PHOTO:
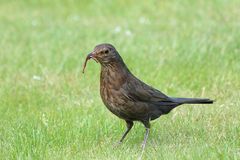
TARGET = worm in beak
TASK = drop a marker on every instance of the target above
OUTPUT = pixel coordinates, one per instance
(89, 56)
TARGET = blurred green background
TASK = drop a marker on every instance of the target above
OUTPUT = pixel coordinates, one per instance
(49, 110)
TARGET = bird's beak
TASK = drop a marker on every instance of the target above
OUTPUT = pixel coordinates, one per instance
(93, 56)
(89, 56)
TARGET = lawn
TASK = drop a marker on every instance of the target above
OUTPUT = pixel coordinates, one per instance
(50, 110)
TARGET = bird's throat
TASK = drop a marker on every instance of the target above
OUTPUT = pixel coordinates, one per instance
(113, 75)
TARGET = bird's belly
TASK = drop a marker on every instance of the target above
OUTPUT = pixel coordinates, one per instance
(120, 110)
(118, 105)
(124, 108)
(134, 112)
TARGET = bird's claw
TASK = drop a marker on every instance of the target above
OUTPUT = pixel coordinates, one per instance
(115, 145)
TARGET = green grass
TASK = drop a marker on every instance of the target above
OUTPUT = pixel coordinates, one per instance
(49, 110)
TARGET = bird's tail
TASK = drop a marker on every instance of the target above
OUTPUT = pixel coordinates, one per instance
(193, 100)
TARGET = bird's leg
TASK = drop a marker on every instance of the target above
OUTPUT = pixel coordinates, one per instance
(147, 126)
(129, 127)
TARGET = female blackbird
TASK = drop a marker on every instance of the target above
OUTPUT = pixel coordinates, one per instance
(128, 97)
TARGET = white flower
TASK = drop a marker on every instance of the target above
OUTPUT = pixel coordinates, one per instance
(37, 78)
(128, 33)
(117, 29)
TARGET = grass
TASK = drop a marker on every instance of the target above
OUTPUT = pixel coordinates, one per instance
(49, 110)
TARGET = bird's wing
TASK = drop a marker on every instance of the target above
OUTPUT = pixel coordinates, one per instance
(137, 90)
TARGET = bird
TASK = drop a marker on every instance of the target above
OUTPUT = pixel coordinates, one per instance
(128, 97)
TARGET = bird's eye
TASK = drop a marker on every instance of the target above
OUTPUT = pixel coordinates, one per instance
(106, 51)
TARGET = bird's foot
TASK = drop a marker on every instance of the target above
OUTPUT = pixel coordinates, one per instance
(115, 145)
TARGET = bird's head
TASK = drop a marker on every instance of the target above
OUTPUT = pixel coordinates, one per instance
(105, 54)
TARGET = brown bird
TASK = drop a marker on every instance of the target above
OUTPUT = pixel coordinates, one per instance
(128, 97)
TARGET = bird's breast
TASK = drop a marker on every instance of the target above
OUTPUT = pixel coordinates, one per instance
(110, 90)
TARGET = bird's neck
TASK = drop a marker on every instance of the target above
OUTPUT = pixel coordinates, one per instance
(114, 74)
